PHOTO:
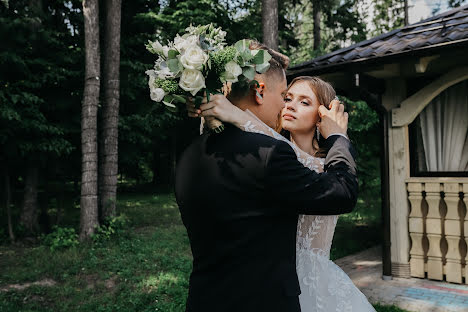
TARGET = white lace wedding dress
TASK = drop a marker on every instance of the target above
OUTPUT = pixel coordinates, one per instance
(324, 286)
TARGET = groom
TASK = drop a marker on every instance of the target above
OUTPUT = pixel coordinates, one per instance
(240, 194)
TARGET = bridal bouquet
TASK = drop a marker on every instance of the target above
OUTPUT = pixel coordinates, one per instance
(200, 62)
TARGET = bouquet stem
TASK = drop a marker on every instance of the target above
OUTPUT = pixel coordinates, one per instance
(214, 124)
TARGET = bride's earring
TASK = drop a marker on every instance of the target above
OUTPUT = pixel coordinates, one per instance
(259, 95)
(318, 133)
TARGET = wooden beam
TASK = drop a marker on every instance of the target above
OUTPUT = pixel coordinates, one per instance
(412, 106)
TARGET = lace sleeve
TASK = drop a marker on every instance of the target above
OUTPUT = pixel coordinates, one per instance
(255, 125)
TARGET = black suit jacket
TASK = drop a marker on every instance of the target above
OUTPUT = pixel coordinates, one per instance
(240, 194)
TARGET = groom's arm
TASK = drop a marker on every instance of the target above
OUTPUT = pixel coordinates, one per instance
(306, 192)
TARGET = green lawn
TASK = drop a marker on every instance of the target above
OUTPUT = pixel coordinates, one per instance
(362, 225)
(145, 269)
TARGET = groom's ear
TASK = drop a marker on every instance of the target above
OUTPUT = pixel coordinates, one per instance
(259, 93)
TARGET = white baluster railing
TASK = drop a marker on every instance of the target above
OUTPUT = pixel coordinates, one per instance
(439, 239)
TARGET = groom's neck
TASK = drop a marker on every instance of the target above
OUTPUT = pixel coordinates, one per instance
(244, 103)
(248, 103)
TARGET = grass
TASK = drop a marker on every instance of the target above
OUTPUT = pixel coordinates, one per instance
(363, 225)
(382, 308)
(145, 269)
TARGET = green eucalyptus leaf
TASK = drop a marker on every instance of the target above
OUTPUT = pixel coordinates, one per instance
(261, 57)
(179, 98)
(169, 104)
(172, 54)
(173, 65)
(171, 107)
(242, 45)
(168, 98)
(249, 72)
(262, 68)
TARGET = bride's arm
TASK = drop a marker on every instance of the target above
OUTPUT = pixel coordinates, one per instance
(220, 108)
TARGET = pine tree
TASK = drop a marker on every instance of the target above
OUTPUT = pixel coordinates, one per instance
(89, 170)
(270, 23)
(108, 166)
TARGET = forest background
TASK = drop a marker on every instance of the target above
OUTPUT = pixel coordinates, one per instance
(44, 105)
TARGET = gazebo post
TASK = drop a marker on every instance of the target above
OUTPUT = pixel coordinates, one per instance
(385, 194)
(398, 148)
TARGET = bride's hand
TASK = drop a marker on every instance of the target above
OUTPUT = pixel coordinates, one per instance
(220, 108)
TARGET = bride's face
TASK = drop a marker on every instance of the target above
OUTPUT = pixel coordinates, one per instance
(300, 114)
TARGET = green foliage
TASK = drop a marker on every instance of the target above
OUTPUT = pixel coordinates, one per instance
(361, 116)
(112, 227)
(387, 308)
(221, 57)
(60, 238)
(41, 66)
(345, 25)
(388, 15)
(456, 3)
(363, 224)
(169, 86)
(3, 236)
(365, 135)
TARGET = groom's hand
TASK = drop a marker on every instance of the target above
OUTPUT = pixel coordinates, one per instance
(334, 120)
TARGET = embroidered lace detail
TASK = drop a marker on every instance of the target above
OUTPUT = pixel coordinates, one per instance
(325, 287)
(250, 127)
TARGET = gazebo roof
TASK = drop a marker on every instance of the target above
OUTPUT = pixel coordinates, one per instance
(442, 30)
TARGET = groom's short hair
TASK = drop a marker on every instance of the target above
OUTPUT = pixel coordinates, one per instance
(278, 65)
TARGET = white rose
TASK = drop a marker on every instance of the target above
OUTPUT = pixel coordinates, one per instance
(157, 94)
(152, 76)
(194, 58)
(192, 81)
(233, 70)
(179, 42)
(165, 73)
(157, 47)
(182, 44)
(165, 51)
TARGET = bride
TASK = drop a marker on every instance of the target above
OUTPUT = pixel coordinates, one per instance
(324, 286)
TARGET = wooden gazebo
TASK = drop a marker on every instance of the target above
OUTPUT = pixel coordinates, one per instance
(416, 77)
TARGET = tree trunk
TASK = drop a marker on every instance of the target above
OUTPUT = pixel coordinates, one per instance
(89, 153)
(316, 12)
(406, 13)
(8, 204)
(270, 23)
(29, 211)
(110, 115)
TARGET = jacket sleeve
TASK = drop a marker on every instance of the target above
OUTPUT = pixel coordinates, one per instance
(303, 191)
